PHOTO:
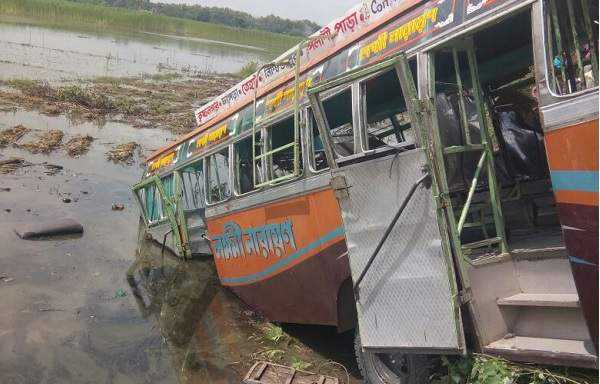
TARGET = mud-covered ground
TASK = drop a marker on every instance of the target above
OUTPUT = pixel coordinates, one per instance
(68, 313)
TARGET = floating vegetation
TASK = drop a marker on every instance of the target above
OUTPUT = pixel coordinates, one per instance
(152, 101)
(66, 14)
(78, 145)
(12, 164)
(45, 143)
(122, 153)
(11, 136)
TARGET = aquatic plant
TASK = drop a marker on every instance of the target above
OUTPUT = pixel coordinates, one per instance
(273, 333)
(300, 364)
(70, 15)
(485, 369)
(248, 69)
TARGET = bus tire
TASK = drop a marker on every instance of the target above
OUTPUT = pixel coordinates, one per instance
(395, 368)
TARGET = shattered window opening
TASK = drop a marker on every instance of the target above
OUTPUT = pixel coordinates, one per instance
(385, 116)
(244, 171)
(571, 45)
(217, 166)
(281, 162)
(193, 186)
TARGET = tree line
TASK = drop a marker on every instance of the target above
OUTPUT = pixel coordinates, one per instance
(216, 15)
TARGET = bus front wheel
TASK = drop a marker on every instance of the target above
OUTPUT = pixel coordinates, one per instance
(392, 368)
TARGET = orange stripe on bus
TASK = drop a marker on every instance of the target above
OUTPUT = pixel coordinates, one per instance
(573, 148)
(318, 216)
(576, 197)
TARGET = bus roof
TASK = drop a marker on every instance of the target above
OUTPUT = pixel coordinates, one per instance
(343, 31)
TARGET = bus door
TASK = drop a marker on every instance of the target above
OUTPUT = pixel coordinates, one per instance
(160, 200)
(404, 280)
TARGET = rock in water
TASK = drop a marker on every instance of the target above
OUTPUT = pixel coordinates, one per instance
(54, 228)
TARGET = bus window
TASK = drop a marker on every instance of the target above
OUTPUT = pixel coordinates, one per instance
(217, 166)
(192, 177)
(338, 111)
(281, 135)
(244, 171)
(571, 44)
(318, 159)
(386, 119)
(151, 200)
(169, 185)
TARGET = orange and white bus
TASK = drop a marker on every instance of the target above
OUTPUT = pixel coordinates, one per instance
(425, 172)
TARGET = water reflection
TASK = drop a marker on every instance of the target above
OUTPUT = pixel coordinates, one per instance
(204, 328)
(53, 54)
(211, 336)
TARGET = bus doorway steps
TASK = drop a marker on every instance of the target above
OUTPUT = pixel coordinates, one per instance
(549, 351)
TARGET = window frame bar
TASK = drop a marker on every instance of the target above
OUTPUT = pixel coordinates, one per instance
(206, 165)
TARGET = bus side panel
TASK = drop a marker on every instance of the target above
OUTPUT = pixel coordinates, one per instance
(573, 160)
(289, 277)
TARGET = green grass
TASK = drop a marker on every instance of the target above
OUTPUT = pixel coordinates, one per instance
(66, 14)
(248, 69)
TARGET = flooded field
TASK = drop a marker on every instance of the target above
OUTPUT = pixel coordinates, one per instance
(101, 307)
(30, 52)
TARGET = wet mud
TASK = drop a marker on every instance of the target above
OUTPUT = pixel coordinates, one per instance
(215, 338)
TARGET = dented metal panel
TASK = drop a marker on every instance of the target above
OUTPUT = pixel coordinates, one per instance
(406, 299)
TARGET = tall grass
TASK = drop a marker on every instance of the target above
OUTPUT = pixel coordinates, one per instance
(63, 13)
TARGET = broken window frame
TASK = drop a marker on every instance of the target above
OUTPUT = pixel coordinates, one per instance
(310, 125)
(265, 158)
(364, 124)
(317, 100)
(157, 215)
(236, 171)
(548, 10)
(207, 175)
(193, 190)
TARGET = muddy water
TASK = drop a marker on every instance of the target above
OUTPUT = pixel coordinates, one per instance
(68, 313)
(48, 54)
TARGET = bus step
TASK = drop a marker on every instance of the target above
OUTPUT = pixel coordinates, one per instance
(554, 300)
(576, 353)
(482, 243)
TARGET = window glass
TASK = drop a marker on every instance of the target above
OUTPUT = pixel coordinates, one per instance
(571, 44)
(244, 171)
(386, 118)
(338, 112)
(169, 185)
(152, 203)
(318, 158)
(193, 186)
(281, 141)
(218, 176)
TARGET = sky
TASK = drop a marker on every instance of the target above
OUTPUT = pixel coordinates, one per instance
(319, 11)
